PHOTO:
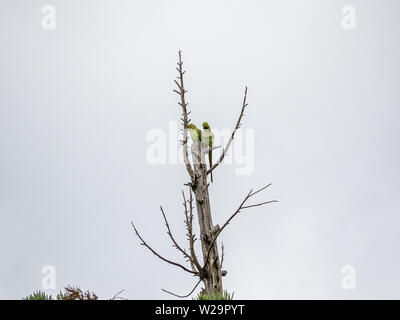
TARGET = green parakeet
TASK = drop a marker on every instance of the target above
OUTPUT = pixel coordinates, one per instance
(195, 133)
(207, 139)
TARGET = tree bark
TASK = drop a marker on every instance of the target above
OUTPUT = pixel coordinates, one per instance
(212, 274)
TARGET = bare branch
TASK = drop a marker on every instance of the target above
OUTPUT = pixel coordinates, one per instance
(241, 207)
(176, 245)
(208, 149)
(158, 255)
(117, 297)
(185, 121)
(185, 296)
(258, 204)
(259, 190)
(238, 124)
(222, 254)
(189, 227)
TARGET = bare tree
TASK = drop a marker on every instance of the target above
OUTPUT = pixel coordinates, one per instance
(209, 269)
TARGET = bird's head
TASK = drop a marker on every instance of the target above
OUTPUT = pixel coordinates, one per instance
(206, 125)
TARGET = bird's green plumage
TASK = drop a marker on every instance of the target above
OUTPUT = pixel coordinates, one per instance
(195, 133)
(207, 139)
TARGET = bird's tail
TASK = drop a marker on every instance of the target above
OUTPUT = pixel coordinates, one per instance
(210, 160)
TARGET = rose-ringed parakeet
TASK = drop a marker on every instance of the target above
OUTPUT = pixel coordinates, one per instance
(207, 139)
(195, 133)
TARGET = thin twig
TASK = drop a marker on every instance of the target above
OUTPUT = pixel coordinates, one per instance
(185, 296)
(238, 124)
(208, 149)
(158, 255)
(189, 228)
(258, 204)
(176, 245)
(222, 254)
(116, 296)
(263, 188)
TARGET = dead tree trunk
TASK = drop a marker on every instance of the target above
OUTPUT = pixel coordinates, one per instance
(210, 271)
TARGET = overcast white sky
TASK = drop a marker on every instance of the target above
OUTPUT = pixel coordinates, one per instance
(77, 102)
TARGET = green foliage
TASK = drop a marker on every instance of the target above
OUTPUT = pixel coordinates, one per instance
(61, 296)
(38, 295)
(71, 293)
(214, 296)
